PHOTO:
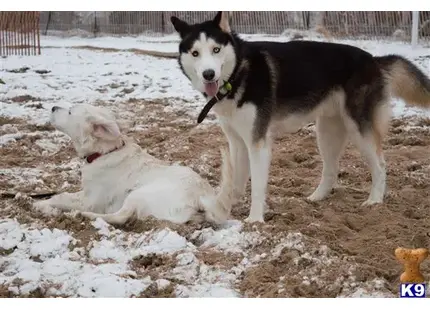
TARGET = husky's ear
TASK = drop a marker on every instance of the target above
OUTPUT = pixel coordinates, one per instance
(180, 26)
(222, 20)
(105, 129)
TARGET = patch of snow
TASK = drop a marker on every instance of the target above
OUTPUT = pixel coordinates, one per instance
(9, 129)
(162, 283)
(229, 238)
(364, 293)
(49, 146)
(28, 176)
(84, 76)
(123, 248)
(216, 290)
(167, 44)
(101, 226)
(200, 280)
(11, 137)
(293, 241)
(372, 289)
(89, 76)
(204, 280)
(164, 241)
(42, 259)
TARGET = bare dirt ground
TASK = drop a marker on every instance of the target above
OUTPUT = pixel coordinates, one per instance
(341, 232)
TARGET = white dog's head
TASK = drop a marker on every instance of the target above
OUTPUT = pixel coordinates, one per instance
(92, 129)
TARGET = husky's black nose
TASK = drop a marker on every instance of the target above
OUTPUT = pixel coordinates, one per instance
(209, 74)
(54, 108)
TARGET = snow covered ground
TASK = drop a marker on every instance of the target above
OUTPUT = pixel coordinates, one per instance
(33, 256)
(79, 75)
(52, 260)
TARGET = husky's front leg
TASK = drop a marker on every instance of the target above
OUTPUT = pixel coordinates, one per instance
(239, 160)
(260, 154)
(63, 201)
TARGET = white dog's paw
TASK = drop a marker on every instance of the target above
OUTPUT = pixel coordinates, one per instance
(45, 208)
(214, 212)
(371, 202)
(89, 215)
(217, 218)
(198, 217)
(236, 196)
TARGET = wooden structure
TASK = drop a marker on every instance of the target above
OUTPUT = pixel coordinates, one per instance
(19, 33)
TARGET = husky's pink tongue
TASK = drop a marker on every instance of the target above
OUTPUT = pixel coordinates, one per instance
(211, 89)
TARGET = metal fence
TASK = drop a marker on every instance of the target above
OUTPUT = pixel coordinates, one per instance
(391, 25)
(19, 33)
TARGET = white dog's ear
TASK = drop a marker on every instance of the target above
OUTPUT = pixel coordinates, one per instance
(106, 130)
(180, 26)
(222, 19)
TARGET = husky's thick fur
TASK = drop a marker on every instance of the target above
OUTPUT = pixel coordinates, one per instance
(121, 181)
(275, 86)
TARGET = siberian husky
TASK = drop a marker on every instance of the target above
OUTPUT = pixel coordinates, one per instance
(121, 181)
(254, 87)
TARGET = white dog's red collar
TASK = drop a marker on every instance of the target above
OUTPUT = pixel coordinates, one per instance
(92, 157)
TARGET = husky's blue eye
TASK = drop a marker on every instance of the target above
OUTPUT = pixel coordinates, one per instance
(195, 54)
(216, 50)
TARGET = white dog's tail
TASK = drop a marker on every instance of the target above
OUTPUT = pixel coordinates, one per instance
(217, 208)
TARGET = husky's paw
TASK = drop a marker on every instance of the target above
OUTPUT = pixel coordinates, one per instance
(317, 195)
(371, 202)
(254, 219)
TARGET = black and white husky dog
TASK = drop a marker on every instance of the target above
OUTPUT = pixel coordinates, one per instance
(256, 86)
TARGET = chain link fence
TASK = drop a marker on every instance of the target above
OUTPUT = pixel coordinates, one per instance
(385, 25)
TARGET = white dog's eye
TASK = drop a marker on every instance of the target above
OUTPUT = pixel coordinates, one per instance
(195, 54)
(70, 111)
(216, 50)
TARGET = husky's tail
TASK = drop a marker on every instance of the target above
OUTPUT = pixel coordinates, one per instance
(406, 80)
(218, 207)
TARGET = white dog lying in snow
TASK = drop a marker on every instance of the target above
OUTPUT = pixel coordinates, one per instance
(120, 180)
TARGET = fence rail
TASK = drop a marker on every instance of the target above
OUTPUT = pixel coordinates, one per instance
(394, 25)
(19, 33)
